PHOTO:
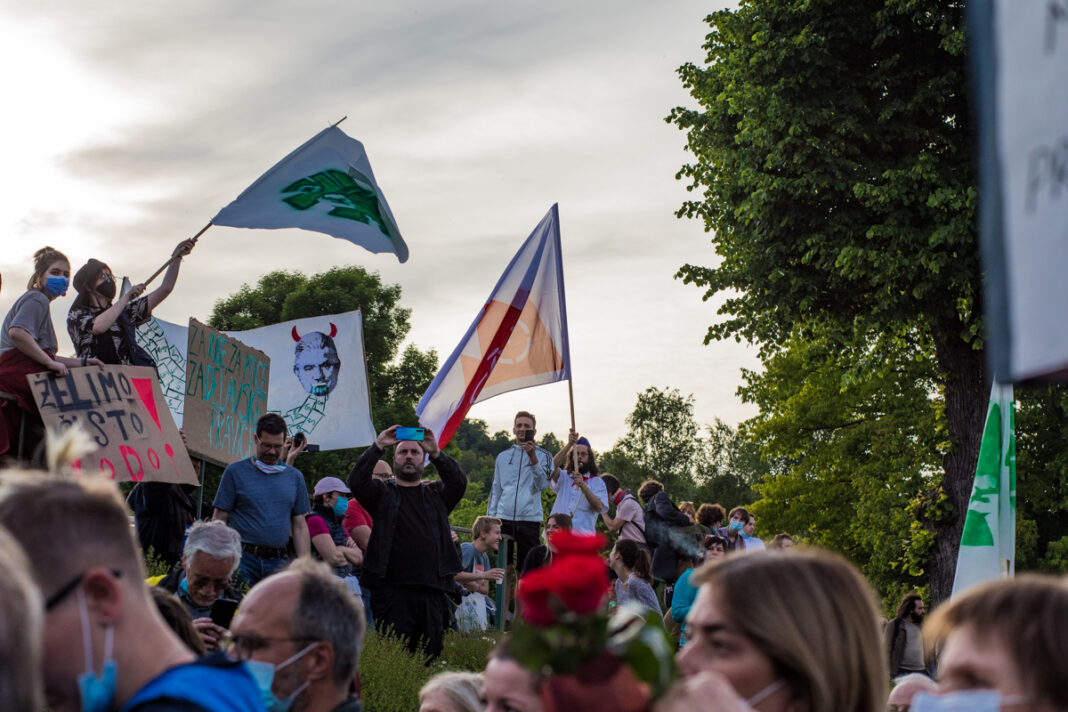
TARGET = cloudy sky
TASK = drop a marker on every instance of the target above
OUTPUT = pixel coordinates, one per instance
(128, 125)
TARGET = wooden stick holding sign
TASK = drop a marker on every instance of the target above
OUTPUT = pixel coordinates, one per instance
(123, 411)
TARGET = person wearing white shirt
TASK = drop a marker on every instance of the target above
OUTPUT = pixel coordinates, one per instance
(581, 495)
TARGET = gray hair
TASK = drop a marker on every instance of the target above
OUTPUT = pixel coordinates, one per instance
(328, 611)
(214, 538)
(21, 619)
(462, 689)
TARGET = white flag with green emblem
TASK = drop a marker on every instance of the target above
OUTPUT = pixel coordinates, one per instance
(988, 543)
(326, 186)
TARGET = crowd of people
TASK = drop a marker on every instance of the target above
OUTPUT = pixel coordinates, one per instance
(265, 605)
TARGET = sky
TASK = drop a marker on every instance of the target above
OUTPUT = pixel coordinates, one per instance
(129, 125)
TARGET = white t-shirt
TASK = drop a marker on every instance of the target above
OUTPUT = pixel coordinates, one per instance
(571, 501)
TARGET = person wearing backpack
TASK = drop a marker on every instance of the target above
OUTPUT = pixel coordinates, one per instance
(630, 517)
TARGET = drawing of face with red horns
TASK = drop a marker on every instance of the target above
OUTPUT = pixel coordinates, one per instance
(315, 361)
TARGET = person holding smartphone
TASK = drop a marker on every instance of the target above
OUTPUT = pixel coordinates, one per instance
(520, 474)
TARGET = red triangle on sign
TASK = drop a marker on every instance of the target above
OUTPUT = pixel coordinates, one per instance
(144, 390)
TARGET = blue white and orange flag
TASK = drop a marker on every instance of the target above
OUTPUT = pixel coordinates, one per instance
(518, 340)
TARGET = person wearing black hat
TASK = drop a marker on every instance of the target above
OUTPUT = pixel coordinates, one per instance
(101, 326)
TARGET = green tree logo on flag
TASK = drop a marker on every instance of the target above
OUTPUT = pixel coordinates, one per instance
(352, 200)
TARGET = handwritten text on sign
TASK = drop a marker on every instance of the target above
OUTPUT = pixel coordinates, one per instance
(123, 411)
(225, 393)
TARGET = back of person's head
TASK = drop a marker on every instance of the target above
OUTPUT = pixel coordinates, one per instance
(905, 687)
(709, 515)
(20, 630)
(636, 558)
(815, 617)
(482, 525)
(462, 690)
(326, 610)
(66, 526)
(42, 260)
(648, 490)
(1026, 619)
(271, 423)
(908, 602)
(610, 483)
(214, 538)
(178, 618)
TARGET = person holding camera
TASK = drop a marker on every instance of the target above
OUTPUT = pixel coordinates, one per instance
(520, 475)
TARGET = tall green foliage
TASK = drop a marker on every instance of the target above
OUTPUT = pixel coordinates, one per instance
(834, 167)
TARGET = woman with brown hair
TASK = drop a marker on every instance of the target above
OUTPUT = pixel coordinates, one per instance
(28, 343)
(781, 632)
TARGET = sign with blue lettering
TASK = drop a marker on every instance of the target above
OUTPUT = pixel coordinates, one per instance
(225, 394)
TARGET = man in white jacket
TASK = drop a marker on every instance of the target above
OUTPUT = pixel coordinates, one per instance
(520, 475)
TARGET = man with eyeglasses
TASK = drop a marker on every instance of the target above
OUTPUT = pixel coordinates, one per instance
(211, 554)
(105, 645)
(300, 632)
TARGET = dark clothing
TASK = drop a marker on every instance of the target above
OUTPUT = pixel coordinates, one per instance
(537, 558)
(172, 583)
(337, 534)
(117, 345)
(350, 705)
(661, 516)
(527, 536)
(410, 561)
(162, 512)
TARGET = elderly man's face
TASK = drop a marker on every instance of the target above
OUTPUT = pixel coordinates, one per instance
(207, 576)
(317, 370)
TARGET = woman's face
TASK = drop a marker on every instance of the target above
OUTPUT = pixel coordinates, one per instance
(713, 552)
(508, 687)
(59, 268)
(330, 499)
(614, 559)
(714, 644)
(550, 527)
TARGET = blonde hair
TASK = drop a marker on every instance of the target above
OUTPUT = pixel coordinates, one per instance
(42, 260)
(96, 527)
(21, 614)
(1026, 617)
(482, 525)
(815, 616)
(462, 689)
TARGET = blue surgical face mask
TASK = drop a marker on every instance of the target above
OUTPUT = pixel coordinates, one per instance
(736, 526)
(263, 673)
(966, 701)
(56, 286)
(97, 691)
(341, 505)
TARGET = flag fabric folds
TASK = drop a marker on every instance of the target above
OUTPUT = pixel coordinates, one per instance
(518, 340)
(326, 186)
(988, 543)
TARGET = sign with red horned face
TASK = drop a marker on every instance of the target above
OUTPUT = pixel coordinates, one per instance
(315, 361)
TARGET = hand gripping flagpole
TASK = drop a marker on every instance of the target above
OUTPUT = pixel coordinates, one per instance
(202, 231)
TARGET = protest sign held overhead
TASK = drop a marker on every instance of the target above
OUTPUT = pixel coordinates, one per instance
(327, 186)
(518, 340)
(318, 380)
(1019, 51)
(122, 410)
(226, 387)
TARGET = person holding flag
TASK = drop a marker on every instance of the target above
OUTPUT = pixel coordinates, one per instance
(582, 495)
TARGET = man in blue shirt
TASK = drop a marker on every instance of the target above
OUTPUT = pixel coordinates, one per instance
(265, 501)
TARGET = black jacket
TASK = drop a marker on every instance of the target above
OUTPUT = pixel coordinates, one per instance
(661, 516)
(382, 501)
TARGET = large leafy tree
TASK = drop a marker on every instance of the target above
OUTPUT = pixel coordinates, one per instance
(834, 167)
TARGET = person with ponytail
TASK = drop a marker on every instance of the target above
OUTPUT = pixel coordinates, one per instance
(28, 343)
(101, 326)
(632, 565)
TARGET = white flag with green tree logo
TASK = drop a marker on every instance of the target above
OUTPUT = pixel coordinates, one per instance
(988, 543)
(325, 186)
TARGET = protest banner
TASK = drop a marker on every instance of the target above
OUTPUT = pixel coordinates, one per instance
(225, 394)
(123, 411)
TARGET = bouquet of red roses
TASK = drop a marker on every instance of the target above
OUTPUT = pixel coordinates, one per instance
(591, 660)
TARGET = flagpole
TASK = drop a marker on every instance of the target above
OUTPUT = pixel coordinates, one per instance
(338, 121)
(574, 450)
(175, 257)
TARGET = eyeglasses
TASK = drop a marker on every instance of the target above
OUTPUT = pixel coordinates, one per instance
(65, 590)
(241, 646)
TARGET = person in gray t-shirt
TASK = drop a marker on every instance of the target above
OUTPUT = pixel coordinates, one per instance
(265, 501)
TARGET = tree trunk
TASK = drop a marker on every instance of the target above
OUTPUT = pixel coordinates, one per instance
(966, 399)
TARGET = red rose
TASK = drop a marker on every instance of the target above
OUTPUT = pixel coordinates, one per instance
(565, 542)
(581, 583)
(533, 592)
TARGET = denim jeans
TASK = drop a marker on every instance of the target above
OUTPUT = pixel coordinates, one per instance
(254, 569)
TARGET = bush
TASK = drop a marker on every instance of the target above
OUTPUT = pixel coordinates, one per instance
(391, 677)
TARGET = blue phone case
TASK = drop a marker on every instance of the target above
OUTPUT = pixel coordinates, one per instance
(406, 433)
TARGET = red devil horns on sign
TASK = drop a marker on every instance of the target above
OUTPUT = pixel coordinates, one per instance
(296, 334)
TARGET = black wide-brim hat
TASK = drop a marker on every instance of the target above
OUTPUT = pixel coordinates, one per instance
(86, 275)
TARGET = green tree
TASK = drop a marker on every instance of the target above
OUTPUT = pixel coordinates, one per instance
(834, 168)
(1042, 481)
(729, 468)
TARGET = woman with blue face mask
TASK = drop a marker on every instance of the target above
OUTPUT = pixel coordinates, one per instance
(28, 345)
(330, 542)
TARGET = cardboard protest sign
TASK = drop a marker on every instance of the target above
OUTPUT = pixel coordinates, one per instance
(123, 411)
(225, 394)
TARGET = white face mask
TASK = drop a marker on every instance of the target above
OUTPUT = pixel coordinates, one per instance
(966, 701)
(765, 693)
